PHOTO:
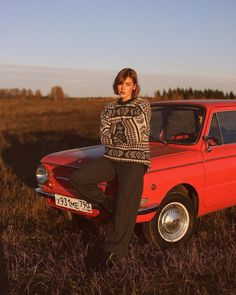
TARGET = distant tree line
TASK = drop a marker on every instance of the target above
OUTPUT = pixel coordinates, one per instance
(180, 93)
(19, 93)
(57, 93)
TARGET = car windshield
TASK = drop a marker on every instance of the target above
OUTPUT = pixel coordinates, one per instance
(178, 124)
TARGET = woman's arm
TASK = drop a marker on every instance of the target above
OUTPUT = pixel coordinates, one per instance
(145, 129)
(105, 125)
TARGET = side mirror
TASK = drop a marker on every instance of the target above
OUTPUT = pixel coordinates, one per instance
(210, 141)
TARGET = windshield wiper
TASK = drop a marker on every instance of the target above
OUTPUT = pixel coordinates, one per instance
(158, 139)
(164, 141)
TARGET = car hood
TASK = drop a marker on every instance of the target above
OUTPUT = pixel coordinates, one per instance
(74, 157)
(161, 156)
(172, 156)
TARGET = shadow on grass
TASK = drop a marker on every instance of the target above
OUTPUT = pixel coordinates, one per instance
(4, 281)
(26, 150)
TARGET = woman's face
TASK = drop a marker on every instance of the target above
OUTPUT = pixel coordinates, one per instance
(126, 88)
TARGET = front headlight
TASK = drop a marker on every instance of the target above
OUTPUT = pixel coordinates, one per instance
(41, 175)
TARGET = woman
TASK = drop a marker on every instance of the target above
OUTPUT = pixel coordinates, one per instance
(124, 130)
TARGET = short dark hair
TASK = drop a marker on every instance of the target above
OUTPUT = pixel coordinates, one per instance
(120, 78)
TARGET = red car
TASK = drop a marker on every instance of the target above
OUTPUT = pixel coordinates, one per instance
(193, 164)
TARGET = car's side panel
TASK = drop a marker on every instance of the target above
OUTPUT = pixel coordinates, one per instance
(159, 182)
(220, 167)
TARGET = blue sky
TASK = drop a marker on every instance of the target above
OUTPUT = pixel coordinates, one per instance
(181, 38)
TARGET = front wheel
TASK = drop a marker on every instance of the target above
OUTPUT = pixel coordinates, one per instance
(173, 223)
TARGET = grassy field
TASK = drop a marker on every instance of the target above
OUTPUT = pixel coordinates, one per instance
(42, 253)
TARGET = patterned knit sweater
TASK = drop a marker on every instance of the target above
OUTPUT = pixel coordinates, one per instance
(124, 130)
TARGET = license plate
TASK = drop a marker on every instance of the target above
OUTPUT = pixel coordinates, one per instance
(72, 203)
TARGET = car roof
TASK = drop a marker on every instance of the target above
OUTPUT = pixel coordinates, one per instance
(200, 102)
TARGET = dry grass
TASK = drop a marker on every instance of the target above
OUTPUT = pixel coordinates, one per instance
(41, 253)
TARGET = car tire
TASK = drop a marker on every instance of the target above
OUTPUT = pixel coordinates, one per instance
(173, 223)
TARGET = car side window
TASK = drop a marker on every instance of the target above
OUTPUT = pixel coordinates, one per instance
(227, 122)
(214, 132)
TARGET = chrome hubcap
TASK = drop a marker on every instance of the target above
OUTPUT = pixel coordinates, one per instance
(173, 222)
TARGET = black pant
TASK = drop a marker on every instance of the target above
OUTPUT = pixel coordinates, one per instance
(130, 188)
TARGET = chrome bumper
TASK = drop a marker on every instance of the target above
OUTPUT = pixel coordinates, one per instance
(141, 211)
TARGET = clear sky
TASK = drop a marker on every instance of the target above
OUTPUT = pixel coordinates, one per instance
(188, 38)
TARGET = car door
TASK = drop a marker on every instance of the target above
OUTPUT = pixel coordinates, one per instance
(220, 160)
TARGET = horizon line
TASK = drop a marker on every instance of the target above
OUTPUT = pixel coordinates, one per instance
(78, 82)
